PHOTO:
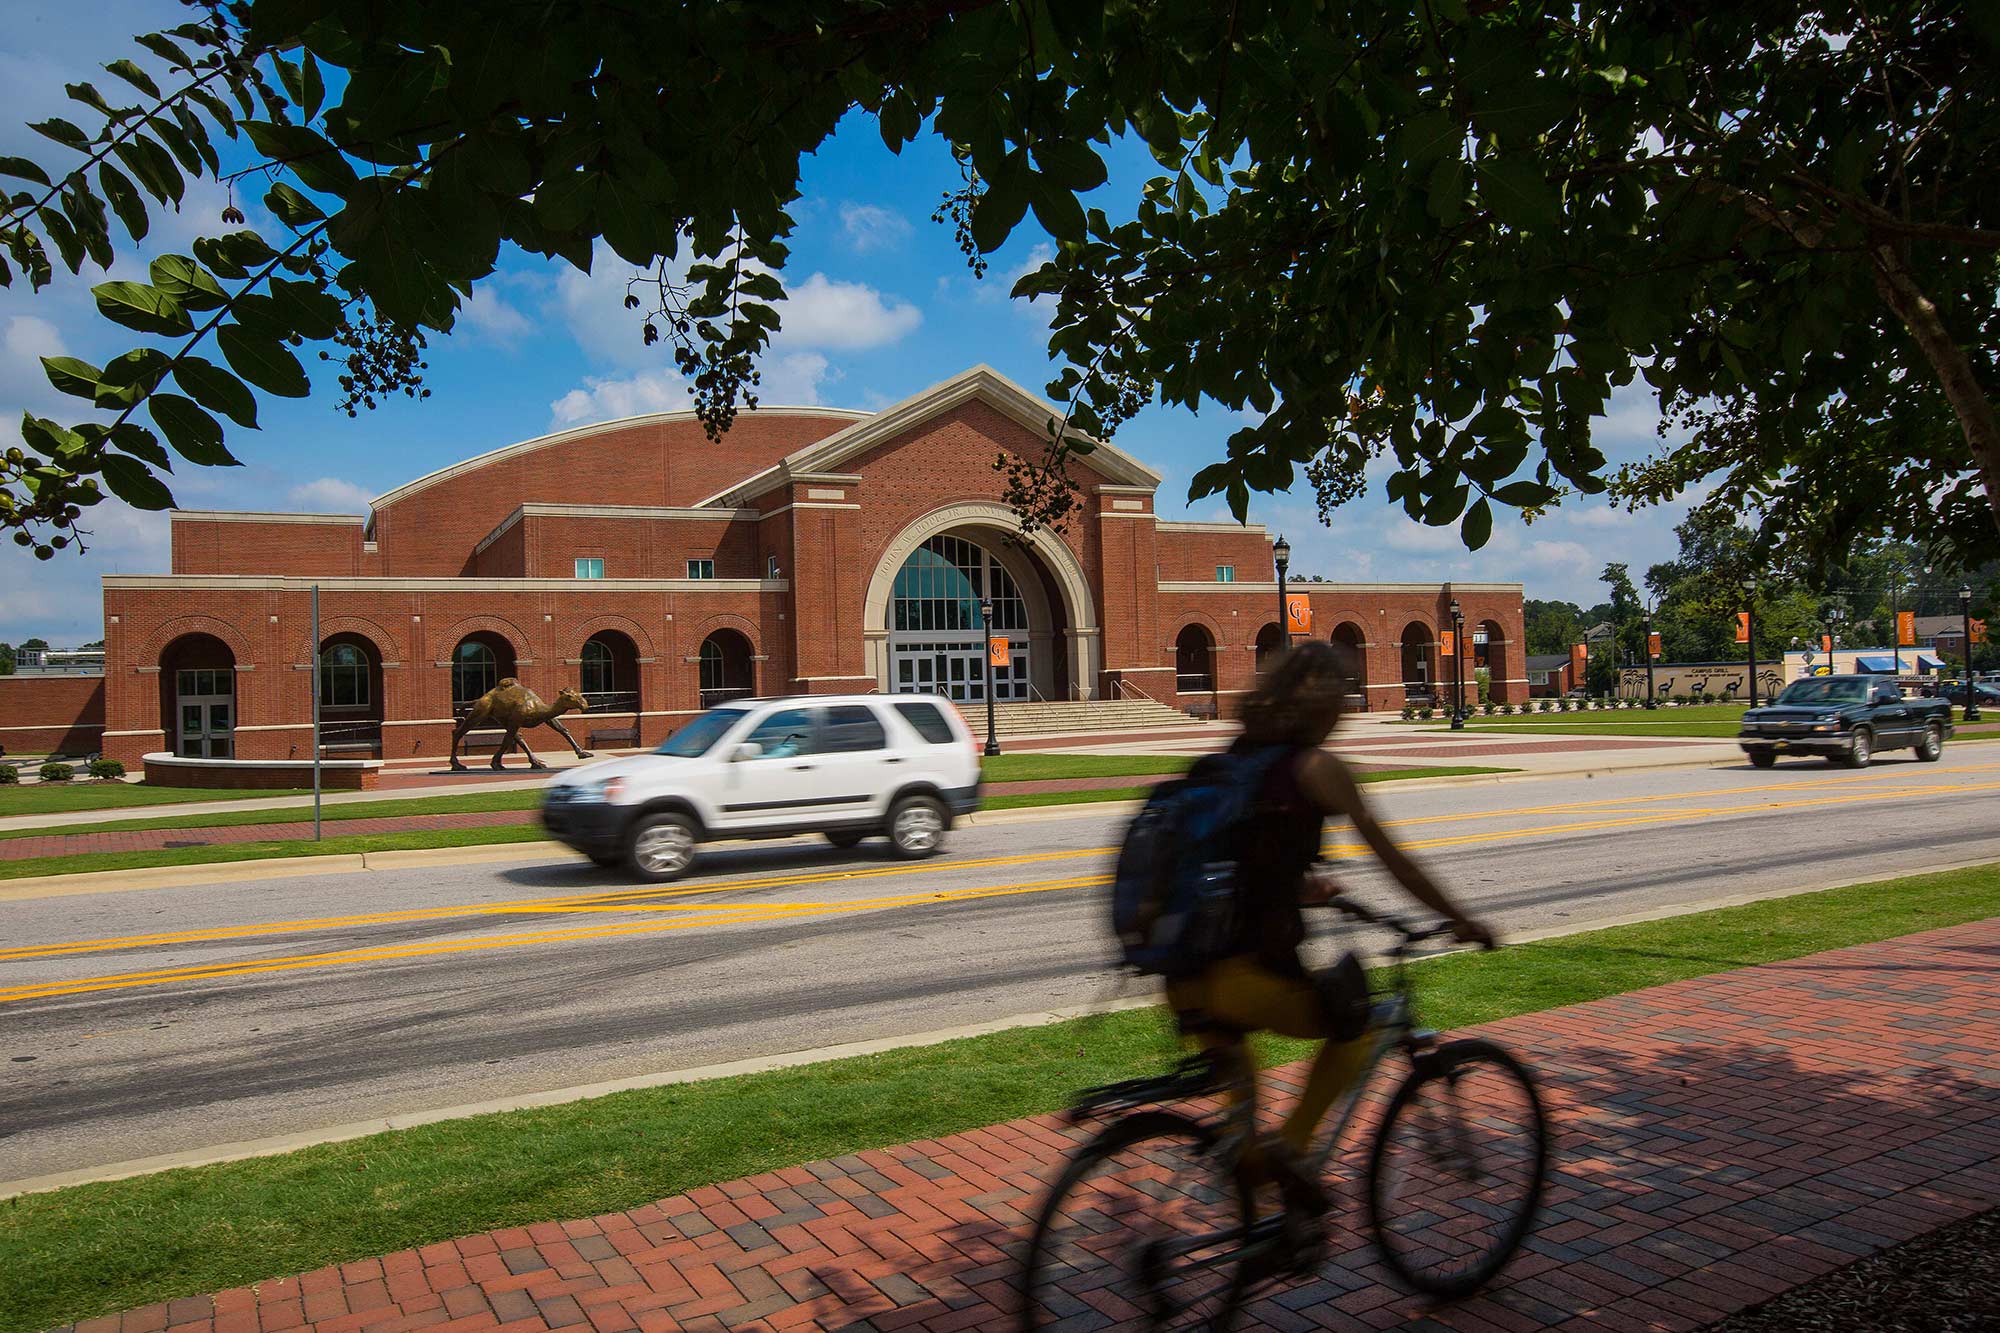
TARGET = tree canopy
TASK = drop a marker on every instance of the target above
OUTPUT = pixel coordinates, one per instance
(1432, 235)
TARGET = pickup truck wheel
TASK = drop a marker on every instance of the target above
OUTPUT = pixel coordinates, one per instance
(1864, 748)
(603, 862)
(844, 840)
(916, 827)
(1931, 748)
(662, 847)
(1763, 758)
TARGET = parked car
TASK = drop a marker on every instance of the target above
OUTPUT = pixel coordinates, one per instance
(1954, 690)
(1846, 719)
(844, 766)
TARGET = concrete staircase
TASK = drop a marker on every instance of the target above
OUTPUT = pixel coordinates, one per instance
(1109, 716)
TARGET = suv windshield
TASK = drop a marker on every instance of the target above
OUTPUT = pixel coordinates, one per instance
(698, 737)
(1823, 692)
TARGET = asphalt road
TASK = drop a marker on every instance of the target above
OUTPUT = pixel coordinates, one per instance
(160, 1020)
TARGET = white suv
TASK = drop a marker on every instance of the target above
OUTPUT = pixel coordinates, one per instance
(846, 766)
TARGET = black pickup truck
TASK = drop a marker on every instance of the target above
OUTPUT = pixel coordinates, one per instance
(1847, 719)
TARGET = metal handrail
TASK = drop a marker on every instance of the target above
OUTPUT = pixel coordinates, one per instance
(1194, 682)
(1124, 685)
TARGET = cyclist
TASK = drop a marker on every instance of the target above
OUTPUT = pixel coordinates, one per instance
(1262, 984)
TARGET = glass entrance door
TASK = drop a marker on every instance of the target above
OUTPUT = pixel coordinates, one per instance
(206, 708)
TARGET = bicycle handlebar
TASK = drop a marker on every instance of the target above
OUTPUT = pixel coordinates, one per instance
(1411, 934)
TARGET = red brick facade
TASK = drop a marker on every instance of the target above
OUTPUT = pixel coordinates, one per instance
(806, 515)
(51, 714)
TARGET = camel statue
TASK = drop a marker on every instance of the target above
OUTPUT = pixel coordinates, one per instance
(514, 706)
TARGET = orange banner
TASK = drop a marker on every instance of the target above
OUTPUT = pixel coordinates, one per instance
(1447, 644)
(1826, 644)
(996, 655)
(1653, 643)
(1579, 664)
(1906, 629)
(1742, 627)
(1298, 613)
(1979, 631)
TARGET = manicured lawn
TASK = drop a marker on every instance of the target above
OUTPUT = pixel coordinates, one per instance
(1044, 767)
(93, 1249)
(93, 863)
(473, 802)
(55, 798)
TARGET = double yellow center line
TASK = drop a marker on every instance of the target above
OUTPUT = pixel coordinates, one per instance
(693, 907)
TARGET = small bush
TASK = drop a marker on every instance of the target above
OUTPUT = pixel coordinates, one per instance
(1424, 713)
(56, 772)
(1409, 712)
(106, 768)
(9, 775)
(1548, 705)
(1488, 707)
(1708, 696)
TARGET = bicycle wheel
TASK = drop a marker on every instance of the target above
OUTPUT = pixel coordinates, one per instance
(1141, 1227)
(1456, 1172)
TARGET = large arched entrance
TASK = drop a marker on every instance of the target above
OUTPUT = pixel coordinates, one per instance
(482, 660)
(1194, 660)
(1352, 646)
(726, 668)
(608, 672)
(1489, 650)
(198, 697)
(924, 629)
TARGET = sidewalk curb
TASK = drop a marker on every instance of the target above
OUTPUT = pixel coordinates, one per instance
(277, 1145)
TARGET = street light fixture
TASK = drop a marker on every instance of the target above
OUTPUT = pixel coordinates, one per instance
(1457, 668)
(986, 619)
(1965, 625)
(1750, 630)
(1281, 553)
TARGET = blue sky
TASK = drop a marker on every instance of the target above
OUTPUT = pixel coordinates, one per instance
(881, 305)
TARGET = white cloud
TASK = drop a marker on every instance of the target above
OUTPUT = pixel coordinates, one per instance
(491, 315)
(794, 379)
(605, 398)
(24, 341)
(60, 599)
(869, 227)
(330, 495)
(849, 316)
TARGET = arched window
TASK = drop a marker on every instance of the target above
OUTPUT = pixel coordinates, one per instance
(1270, 642)
(725, 667)
(475, 669)
(343, 677)
(600, 671)
(1194, 660)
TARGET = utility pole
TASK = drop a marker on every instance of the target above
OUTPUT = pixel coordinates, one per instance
(315, 713)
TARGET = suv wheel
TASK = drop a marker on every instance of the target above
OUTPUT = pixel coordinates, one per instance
(663, 847)
(1864, 748)
(1931, 748)
(1763, 758)
(916, 827)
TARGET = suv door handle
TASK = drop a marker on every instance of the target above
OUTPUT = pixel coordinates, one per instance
(801, 768)
(893, 759)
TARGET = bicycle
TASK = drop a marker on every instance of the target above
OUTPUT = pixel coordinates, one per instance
(1152, 1218)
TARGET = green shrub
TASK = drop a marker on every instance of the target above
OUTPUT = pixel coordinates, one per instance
(53, 772)
(1424, 713)
(1409, 712)
(106, 768)
(1488, 707)
(9, 775)
(1548, 705)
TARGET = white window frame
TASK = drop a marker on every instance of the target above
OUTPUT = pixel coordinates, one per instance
(1225, 573)
(701, 569)
(590, 566)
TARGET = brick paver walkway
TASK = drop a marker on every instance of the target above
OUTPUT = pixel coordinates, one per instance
(1718, 1141)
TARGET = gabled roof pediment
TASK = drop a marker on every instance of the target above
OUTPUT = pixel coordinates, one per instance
(983, 383)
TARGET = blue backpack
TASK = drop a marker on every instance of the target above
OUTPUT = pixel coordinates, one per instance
(1173, 896)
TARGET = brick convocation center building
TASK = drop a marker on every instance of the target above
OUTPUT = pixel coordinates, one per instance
(812, 550)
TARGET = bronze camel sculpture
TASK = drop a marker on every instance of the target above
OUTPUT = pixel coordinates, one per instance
(513, 706)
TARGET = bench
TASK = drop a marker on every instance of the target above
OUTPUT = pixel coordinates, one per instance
(1204, 709)
(598, 736)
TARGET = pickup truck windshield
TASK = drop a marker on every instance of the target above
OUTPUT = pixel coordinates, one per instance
(698, 737)
(1824, 692)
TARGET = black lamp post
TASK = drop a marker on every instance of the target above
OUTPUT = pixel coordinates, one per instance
(1750, 632)
(1965, 625)
(986, 620)
(1281, 553)
(1648, 627)
(1834, 614)
(1457, 668)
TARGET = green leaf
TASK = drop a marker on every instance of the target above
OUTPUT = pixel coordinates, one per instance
(1524, 494)
(1518, 191)
(125, 200)
(314, 313)
(187, 282)
(90, 97)
(22, 169)
(317, 162)
(898, 120)
(1072, 162)
(131, 482)
(1446, 194)
(292, 208)
(64, 133)
(1478, 525)
(565, 200)
(217, 389)
(1057, 209)
(264, 361)
(50, 439)
(166, 50)
(76, 378)
(130, 377)
(144, 309)
(130, 436)
(194, 434)
(1429, 137)
(135, 76)
(1001, 208)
